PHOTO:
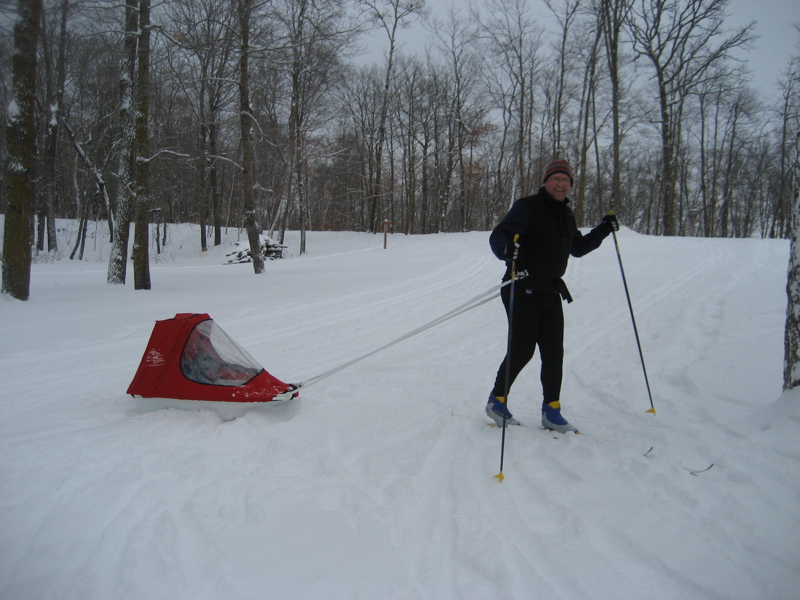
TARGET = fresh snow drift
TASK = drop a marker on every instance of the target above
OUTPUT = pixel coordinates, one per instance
(378, 481)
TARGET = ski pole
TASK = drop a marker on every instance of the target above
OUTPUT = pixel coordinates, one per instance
(500, 476)
(633, 319)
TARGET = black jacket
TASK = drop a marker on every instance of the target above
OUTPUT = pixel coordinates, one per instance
(548, 235)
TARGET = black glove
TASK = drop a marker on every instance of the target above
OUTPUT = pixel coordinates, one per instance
(609, 224)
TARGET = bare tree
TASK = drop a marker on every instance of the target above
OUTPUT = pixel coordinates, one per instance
(206, 43)
(588, 123)
(513, 41)
(317, 34)
(389, 15)
(789, 113)
(686, 44)
(360, 99)
(21, 142)
(458, 41)
(439, 141)
(612, 16)
(408, 118)
(565, 15)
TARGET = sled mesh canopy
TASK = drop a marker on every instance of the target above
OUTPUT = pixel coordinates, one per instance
(211, 356)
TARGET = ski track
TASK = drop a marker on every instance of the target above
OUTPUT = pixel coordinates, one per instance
(378, 482)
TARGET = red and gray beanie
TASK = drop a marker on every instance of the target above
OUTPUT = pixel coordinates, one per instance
(558, 166)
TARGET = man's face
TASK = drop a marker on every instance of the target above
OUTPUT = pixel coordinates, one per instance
(558, 186)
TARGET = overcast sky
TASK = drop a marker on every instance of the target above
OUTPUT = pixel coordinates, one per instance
(778, 38)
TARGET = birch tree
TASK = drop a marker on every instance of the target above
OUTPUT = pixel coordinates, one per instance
(791, 120)
(791, 361)
(118, 259)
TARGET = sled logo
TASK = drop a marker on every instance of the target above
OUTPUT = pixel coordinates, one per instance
(154, 359)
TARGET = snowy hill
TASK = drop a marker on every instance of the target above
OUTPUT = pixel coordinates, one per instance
(378, 482)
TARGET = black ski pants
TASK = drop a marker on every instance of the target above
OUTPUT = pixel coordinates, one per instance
(538, 321)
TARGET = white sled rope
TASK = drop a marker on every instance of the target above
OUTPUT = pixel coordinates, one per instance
(467, 306)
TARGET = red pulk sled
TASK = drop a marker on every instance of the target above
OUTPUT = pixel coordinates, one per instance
(190, 358)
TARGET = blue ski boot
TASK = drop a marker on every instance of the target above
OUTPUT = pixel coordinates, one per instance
(552, 419)
(495, 408)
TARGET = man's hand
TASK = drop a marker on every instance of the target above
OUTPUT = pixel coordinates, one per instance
(610, 223)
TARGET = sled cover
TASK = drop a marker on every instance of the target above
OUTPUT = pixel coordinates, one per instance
(189, 357)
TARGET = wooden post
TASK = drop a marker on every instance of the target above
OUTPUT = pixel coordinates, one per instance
(386, 224)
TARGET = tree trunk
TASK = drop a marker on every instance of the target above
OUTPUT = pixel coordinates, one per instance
(118, 260)
(667, 157)
(205, 190)
(55, 108)
(614, 14)
(21, 147)
(248, 162)
(296, 192)
(141, 245)
(791, 360)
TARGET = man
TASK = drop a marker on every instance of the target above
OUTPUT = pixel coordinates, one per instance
(547, 235)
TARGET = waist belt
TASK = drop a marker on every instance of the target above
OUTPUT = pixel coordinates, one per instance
(558, 286)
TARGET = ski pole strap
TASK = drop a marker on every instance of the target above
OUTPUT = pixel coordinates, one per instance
(467, 306)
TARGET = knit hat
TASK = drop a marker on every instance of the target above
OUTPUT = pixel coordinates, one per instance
(558, 166)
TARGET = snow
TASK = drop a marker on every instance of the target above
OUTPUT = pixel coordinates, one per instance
(13, 110)
(379, 481)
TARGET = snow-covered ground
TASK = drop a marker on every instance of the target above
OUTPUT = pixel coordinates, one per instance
(379, 481)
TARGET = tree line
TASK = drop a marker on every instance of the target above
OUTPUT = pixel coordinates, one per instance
(268, 115)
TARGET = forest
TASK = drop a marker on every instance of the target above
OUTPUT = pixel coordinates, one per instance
(271, 115)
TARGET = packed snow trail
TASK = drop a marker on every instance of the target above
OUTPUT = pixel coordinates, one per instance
(378, 482)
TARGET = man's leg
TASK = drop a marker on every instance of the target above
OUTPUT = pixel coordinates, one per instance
(527, 312)
(551, 348)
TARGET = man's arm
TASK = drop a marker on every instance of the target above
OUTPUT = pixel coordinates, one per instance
(583, 244)
(514, 223)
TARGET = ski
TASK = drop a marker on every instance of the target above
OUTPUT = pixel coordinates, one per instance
(555, 437)
(648, 453)
(559, 432)
(698, 471)
(691, 471)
